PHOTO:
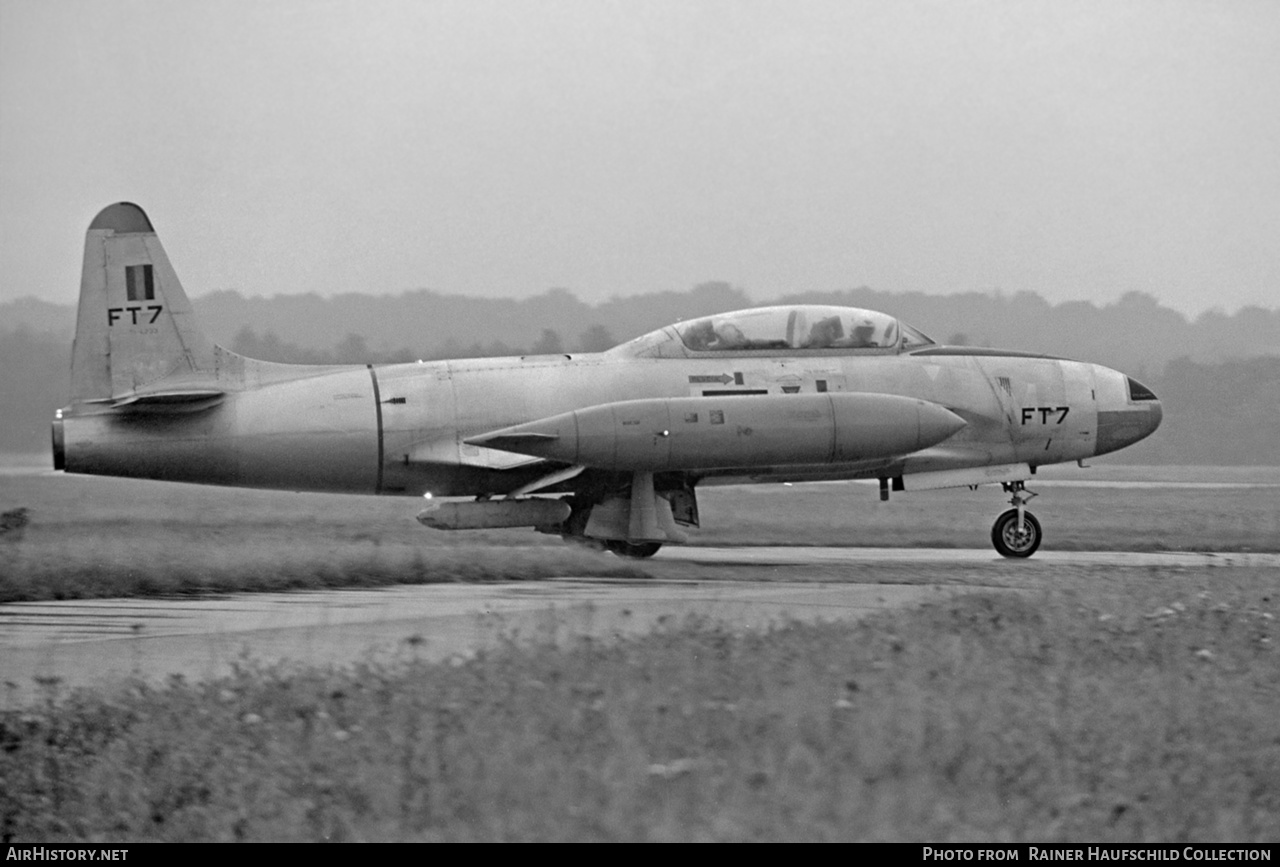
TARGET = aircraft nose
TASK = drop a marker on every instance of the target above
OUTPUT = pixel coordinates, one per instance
(1155, 415)
(1128, 411)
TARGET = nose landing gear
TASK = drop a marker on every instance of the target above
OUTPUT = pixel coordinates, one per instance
(1016, 533)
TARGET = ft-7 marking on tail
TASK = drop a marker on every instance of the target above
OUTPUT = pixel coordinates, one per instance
(114, 313)
(1029, 412)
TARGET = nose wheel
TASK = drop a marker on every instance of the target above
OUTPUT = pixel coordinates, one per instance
(1016, 533)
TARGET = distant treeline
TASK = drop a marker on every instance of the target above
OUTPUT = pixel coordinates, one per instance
(1219, 375)
(1135, 333)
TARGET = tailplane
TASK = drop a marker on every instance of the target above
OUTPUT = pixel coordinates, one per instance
(136, 337)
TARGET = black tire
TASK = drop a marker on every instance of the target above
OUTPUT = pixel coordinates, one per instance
(1005, 536)
(634, 550)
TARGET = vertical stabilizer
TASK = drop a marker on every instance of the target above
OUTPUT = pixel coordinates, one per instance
(134, 326)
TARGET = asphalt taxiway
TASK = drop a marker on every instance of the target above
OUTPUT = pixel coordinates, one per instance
(104, 642)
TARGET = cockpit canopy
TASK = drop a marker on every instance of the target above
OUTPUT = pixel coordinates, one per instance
(782, 329)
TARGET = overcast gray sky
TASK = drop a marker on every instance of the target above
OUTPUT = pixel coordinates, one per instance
(1077, 149)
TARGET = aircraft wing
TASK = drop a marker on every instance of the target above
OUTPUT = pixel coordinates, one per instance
(449, 451)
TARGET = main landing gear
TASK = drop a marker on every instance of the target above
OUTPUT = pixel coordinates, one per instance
(574, 529)
(1016, 533)
(632, 550)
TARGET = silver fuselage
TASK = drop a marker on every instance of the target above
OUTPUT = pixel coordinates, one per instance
(400, 429)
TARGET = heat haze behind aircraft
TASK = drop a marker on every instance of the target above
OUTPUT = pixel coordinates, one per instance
(606, 448)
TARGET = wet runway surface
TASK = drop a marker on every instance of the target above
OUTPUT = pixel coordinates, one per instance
(105, 642)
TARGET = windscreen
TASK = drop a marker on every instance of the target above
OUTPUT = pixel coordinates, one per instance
(792, 328)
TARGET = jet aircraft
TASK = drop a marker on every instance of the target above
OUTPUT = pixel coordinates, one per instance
(605, 448)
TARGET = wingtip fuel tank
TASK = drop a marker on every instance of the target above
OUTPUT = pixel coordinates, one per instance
(699, 433)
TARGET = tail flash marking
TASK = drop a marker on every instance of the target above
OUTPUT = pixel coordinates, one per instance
(135, 326)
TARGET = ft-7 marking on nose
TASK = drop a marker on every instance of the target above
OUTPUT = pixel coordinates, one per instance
(1029, 412)
(114, 313)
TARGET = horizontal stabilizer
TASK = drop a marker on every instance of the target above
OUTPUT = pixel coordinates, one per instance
(173, 400)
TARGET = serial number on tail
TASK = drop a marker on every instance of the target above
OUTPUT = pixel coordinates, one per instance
(114, 313)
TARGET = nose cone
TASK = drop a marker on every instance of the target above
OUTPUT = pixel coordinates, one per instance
(936, 424)
(1128, 411)
(1155, 414)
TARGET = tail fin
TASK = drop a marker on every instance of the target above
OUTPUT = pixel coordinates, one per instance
(134, 326)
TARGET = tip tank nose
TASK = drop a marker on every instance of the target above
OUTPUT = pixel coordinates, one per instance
(936, 423)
